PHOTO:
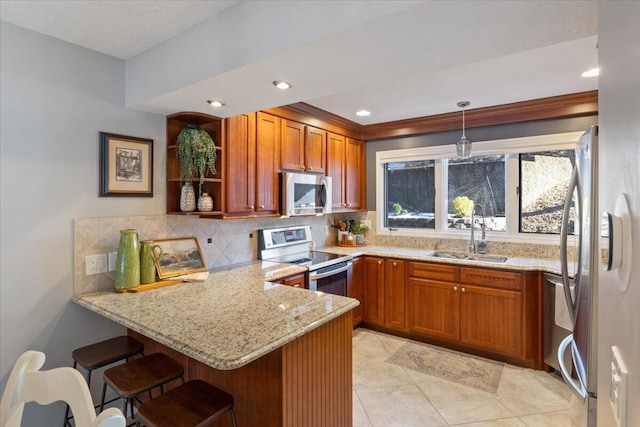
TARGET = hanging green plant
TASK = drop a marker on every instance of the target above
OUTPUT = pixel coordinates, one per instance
(197, 154)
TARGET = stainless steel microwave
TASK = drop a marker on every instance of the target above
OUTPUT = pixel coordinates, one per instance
(305, 194)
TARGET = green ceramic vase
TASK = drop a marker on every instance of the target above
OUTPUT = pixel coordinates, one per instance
(148, 261)
(127, 273)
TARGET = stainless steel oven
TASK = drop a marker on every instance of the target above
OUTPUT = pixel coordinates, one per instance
(328, 273)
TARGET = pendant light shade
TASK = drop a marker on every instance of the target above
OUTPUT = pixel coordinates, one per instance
(463, 146)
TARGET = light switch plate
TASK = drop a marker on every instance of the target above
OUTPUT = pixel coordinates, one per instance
(95, 264)
(618, 393)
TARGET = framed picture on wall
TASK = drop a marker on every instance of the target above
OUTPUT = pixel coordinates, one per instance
(175, 257)
(126, 166)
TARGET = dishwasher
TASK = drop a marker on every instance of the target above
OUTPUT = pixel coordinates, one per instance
(557, 321)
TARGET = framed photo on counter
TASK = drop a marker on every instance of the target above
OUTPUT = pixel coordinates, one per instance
(126, 166)
(175, 257)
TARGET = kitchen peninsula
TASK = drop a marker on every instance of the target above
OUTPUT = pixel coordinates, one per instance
(284, 353)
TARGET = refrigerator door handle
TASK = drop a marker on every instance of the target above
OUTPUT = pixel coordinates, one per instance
(564, 234)
(577, 386)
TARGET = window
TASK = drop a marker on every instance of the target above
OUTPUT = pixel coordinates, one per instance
(520, 183)
(481, 181)
(544, 180)
(410, 194)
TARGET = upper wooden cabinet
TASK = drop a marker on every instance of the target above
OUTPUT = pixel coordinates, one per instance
(345, 166)
(303, 147)
(253, 145)
(213, 184)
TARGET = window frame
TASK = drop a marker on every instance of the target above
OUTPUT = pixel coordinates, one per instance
(510, 148)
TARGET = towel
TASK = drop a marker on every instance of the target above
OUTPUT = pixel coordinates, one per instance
(562, 310)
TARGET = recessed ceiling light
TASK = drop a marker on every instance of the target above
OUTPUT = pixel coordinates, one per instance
(363, 113)
(591, 73)
(281, 84)
(215, 103)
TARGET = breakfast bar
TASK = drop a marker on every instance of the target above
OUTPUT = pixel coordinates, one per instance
(283, 353)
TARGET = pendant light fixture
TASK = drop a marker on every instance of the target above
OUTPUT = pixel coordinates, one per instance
(463, 147)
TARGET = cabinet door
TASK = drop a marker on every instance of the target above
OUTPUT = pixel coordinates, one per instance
(491, 319)
(354, 173)
(297, 281)
(434, 308)
(394, 273)
(292, 152)
(356, 290)
(267, 164)
(336, 168)
(240, 163)
(315, 150)
(374, 290)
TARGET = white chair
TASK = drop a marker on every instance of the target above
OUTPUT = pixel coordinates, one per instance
(28, 384)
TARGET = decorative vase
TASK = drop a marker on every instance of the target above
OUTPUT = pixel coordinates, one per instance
(148, 258)
(359, 239)
(127, 272)
(187, 198)
(205, 203)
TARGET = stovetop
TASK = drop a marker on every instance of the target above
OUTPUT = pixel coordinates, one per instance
(314, 260)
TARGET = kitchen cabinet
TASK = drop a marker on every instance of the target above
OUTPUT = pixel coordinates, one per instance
(252, 165)
(480, 308)
(374, 295)
(213, 184)
(303, 147)
(356, 290)
(394, 284)
(297, 281)
(345, 166)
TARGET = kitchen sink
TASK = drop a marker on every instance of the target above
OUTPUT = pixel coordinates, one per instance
(475, 257)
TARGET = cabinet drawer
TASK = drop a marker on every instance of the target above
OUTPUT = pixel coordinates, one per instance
(493, 278)
(425, 270)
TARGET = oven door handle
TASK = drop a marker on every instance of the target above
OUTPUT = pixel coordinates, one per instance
(331, 273)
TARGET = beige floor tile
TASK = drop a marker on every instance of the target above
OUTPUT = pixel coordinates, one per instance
(551, 419)
(402, 406)
(458, 403)
(360, 418)
(366, 344)
(528, 392)
(505, 422)
(373, 372)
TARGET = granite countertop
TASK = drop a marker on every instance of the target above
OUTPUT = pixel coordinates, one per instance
(512, 263)
(234, 317)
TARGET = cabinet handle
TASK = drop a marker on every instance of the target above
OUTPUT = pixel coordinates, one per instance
(379, 262)
(395, 264)
(252, 207)
(348, 204)
(310, 167)
(455, 288)
(261, 206)
(464, 290)
(302, 167)
(296, 285)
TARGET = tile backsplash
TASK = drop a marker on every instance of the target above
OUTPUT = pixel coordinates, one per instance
(232, 241)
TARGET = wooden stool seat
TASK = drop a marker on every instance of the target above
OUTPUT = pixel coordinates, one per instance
(192, 404)
(100, 354)
(137, 376)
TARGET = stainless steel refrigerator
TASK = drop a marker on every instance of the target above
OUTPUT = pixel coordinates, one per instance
(581, 291)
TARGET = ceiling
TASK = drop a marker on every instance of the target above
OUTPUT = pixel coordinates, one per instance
(402, 60)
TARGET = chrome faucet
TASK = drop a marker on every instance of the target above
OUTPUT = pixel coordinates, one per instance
(482, 245)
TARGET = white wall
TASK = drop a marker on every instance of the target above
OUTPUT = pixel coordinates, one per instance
(619, 104)
(55, 98)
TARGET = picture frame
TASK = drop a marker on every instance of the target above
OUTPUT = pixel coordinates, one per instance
(176, 257)
(126, 166)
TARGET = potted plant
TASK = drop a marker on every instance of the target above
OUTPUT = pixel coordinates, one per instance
(196, 152)
(359, 229)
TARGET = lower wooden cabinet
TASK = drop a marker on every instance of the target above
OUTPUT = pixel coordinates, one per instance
(356, 290)
(297, 281)
(374, 295)
(394, 274)
(434, 308)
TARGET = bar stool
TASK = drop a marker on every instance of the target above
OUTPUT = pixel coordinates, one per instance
(103, 353)
(141, 375)
(192, 404)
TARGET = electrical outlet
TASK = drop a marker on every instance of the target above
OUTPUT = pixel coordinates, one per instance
(618, 393)
(112, 260)
(95, 264)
